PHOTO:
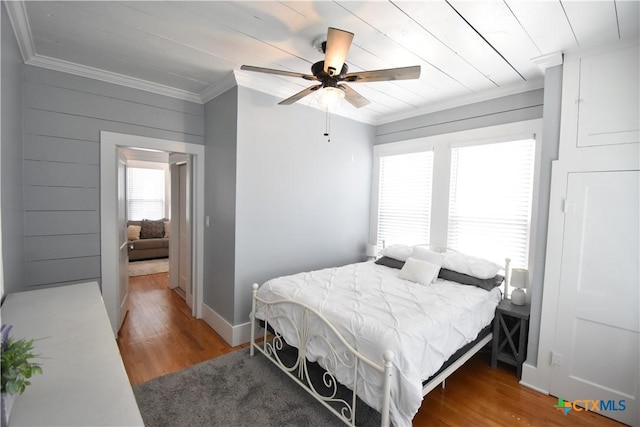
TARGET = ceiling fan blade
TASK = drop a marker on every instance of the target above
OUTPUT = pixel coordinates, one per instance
(353, 97)
(338, 44)
(278, 72)
(403, 73)
(299, 95)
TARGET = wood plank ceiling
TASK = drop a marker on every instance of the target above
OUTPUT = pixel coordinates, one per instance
(192, 50)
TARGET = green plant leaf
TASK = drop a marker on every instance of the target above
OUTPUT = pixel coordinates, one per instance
(17, 364)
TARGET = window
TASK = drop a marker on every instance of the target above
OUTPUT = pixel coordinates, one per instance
(404, 198)
(490, 200)
(145, 193)
(471, 190)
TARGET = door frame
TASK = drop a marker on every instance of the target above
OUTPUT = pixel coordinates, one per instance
(121, 220)
(175, 159)
(109, 144)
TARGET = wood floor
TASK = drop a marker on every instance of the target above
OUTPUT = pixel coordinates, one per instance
(159, 336)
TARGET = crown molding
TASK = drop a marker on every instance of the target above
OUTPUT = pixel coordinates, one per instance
(579, 52)
(218, 88)
(465, 100)
(548, 61)
(20, 22)
(110, 77)
(260, 83)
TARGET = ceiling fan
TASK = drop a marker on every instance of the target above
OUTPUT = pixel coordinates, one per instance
(333, 70)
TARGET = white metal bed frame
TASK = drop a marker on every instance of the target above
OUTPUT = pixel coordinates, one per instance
(350, 358)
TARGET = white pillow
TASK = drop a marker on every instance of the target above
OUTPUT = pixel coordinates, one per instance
(418, 271)
(424, 254)
(470, 265)
(399, 252)
(133, 232)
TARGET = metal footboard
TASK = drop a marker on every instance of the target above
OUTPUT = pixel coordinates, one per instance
(297, 367)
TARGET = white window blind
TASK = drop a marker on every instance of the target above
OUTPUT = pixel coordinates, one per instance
(145, 193)
(490, 200)
(404, 198)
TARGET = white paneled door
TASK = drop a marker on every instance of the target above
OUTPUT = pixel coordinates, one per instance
(123, 244)
(596, 361)
(184, 262)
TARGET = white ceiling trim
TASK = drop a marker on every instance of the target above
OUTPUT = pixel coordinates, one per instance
(109, 77)
(219, 88)
(615, 45)
(465, 100)
(547, 61)
(20, 22)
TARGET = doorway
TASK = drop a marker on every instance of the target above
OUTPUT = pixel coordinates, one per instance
(110, 265)
(148, 213)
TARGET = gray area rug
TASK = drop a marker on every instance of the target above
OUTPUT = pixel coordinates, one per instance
(235, 390)
(150, 266)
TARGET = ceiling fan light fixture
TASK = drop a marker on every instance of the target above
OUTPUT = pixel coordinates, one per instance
(330, 97)
(331, 72)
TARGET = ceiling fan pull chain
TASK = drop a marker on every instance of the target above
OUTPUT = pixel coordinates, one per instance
(328, 125)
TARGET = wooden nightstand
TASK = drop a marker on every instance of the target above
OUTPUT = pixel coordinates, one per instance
(508, 347)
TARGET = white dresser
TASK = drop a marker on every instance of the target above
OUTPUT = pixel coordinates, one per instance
(84, 382)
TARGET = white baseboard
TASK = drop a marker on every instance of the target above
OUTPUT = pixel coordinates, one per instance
(233, 335)
(529, 375)
(242, 333)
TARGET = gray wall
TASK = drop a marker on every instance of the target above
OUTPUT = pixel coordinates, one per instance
(221, 117)
(63, 117)
(508, 109)
(11, 158)
(302, 203)
(549, 152)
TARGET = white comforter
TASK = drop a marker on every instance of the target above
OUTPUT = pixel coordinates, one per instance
(374, 310)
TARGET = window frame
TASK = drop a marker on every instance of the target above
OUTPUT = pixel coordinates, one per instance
(406, 147)
(517, 256)
(441, 146)
(143, 164)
